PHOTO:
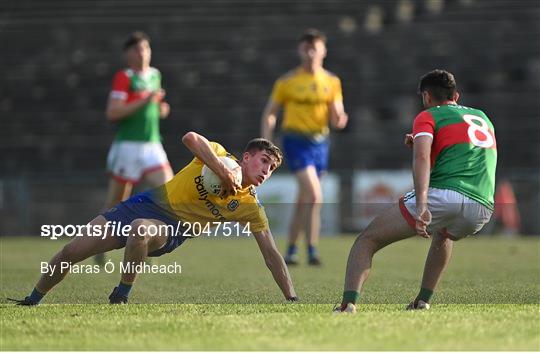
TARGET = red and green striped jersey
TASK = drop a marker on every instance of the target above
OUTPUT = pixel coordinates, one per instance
(464, 150)
(143, 125)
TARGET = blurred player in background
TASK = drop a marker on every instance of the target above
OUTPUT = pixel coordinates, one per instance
(454, 162)
(136, 105)
(183, 199)
(312, 98)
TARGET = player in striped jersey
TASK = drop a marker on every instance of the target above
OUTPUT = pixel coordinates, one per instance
(136, 105)
(454, 162)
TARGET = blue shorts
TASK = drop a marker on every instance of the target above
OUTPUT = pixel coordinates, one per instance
(301, 152)
(142, 206)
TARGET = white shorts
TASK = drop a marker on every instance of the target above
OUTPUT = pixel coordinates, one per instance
(452, 213)
(128, 161)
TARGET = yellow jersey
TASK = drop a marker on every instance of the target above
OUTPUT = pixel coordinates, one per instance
(186, 199)
(305, 97)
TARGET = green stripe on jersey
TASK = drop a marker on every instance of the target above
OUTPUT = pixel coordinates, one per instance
(453, 114)
(467, 169)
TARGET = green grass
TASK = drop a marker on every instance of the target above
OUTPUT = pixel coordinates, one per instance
(225, 299)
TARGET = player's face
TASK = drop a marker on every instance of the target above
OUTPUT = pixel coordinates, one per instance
(257, 167)
(312, 52)
(139, 54)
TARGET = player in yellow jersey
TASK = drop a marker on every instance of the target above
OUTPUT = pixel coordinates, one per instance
(312, 99)
(181, 204)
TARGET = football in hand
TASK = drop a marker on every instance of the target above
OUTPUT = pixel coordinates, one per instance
(212, 183)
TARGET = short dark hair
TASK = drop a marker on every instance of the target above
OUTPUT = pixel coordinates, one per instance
(441, 84)
(261, 144)
(135, 38)
(311, 35)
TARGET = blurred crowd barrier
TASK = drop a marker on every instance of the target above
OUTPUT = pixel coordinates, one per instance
(351, 201)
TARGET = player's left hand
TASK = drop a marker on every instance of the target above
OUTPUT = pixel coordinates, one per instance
(164, 110)
(341, 122)
(156, 96)
(423, 219)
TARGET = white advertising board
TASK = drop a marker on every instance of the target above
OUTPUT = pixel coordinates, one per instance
(278, 195)
(376, 190)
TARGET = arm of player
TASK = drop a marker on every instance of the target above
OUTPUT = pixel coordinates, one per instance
(118, 109)
(275, 263)
(164, 110)
(200, 147)
(164, 107)
(269, 119)
(421, 171)
(338, 117)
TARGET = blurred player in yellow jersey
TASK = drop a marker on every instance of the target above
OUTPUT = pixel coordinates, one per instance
(174, 211)
(312, 99)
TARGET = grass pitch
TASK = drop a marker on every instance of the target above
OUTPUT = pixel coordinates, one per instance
(225, 299)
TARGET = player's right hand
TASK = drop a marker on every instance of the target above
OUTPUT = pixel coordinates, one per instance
(341, 122)
(156, 96)
(409, 140)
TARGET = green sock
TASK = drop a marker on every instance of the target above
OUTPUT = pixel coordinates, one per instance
(425, 295)
(350, 296)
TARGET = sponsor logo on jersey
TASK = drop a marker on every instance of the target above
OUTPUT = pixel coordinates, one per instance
(203, 196)
(233, 205)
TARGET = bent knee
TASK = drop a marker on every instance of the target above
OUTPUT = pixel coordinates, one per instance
(368, 240)
(139, 231)
(311, 197)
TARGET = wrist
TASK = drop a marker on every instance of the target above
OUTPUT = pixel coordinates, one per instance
(421, 205)
(223, 171)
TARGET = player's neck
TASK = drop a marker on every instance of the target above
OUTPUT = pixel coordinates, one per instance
(312, 68)
(140, 67)
(446, 102)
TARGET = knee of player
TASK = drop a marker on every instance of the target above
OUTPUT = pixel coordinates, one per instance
(139, 231)
(312, 197)
(366, 239)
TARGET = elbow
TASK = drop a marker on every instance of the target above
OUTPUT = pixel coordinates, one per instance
(269, 120)
(110, 115)
(113, 114)
(421, 156)
(271, 257)
(190, 138)
(269, 264)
